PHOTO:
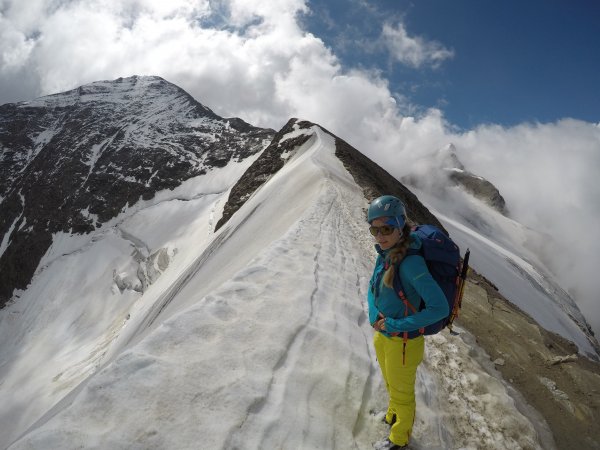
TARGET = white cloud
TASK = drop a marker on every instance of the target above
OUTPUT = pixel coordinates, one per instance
(233, 67)
(413, 51)
(548, 175)
(276, 14)
(17, 48)
(252, 59)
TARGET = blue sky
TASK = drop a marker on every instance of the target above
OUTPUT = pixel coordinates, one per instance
(513, 61)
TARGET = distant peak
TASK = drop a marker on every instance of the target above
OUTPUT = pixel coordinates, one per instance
(448, 159)
(448, 148)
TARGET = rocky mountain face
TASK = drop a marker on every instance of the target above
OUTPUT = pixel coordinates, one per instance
(72, 161)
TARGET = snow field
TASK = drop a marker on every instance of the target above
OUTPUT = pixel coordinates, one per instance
(254, 340)
(522, 284)
(73, 317)
(49, 348)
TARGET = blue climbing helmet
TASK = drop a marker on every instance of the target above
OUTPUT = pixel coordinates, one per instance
(387, 206)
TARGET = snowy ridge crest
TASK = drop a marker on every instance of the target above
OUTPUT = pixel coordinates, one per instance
(285, 144)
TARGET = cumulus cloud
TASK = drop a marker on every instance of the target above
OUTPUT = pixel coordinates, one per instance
(253, 59)
(414, 51)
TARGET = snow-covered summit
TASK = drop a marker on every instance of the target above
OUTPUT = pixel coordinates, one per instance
(72, 161)
(121, 90)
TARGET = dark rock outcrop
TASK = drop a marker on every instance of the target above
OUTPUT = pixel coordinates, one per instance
(269, 162)
(443, 168)
(375, 182)
(480, 188)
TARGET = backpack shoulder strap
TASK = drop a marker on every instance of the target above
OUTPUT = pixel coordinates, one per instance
(397, 281)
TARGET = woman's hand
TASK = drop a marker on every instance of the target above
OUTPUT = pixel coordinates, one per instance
(380, 324)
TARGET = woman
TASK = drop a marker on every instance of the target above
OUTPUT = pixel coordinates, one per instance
(398, 344)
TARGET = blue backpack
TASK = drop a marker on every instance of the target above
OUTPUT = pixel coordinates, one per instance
(442, 257)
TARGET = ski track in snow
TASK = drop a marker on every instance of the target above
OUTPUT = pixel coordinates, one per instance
(265, 413)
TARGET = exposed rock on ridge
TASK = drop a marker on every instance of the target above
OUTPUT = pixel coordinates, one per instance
(539, 364)
(365, 172)
(480, 188)
(270, 161)
(375, 182)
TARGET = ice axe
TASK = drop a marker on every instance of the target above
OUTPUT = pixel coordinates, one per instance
(460, 289)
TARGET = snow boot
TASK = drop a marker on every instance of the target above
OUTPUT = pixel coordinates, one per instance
(384, 420)
(386, 444)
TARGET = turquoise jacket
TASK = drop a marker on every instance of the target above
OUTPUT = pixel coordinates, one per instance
(418, 285)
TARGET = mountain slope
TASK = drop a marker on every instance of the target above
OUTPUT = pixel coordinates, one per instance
(261, 341)
(501, 254)
(72, 161)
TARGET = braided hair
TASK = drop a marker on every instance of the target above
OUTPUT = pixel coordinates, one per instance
(397, 254)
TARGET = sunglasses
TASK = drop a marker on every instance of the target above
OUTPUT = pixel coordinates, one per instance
(385, 230)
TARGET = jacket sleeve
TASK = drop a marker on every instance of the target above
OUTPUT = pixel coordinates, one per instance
(436, 305)
(373, 311)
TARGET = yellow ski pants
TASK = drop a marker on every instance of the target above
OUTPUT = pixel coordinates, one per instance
(399, 369)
